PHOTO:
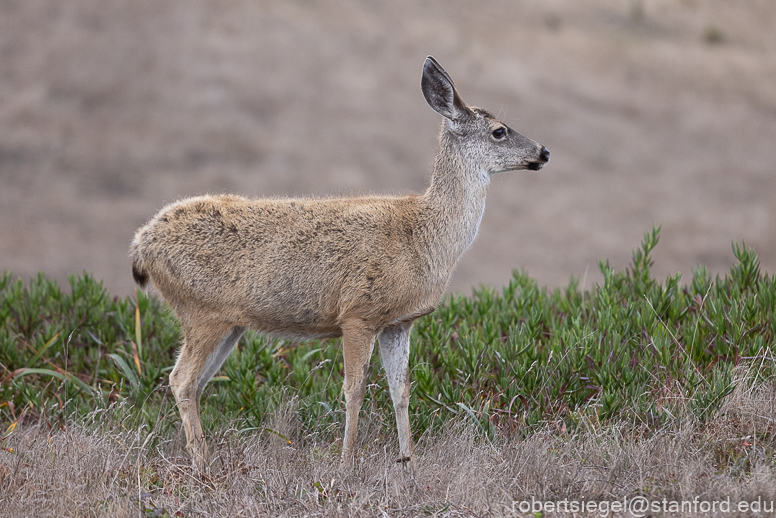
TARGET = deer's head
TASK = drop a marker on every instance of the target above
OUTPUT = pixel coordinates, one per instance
(484, 141)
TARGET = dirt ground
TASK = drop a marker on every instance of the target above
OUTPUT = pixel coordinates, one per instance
(655, 111)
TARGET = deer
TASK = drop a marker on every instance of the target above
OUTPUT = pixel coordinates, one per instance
(360, 268)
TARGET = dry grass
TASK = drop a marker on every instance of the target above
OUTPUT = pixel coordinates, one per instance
(103, 469)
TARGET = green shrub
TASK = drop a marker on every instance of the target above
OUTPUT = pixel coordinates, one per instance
(632, 348)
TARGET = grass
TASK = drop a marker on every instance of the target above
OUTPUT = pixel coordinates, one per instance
(592, 375)
(101, 467)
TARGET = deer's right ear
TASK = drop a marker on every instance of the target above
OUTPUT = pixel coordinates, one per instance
(439, 91)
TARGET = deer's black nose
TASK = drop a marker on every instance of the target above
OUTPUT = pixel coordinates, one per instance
(545, 154)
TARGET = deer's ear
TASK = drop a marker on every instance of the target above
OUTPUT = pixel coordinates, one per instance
(439, 91)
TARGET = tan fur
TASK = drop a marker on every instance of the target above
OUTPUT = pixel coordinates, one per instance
(360, 268)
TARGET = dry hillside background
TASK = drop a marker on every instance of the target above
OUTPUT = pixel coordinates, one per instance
(655, 111)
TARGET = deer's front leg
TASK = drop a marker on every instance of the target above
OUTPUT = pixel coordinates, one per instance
(395, 352)
(357, 343)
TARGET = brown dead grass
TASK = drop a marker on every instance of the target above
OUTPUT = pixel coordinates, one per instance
(102, 469)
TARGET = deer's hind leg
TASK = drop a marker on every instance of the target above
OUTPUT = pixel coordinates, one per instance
(204, 350)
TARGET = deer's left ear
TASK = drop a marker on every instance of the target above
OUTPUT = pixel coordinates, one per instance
(439, 90)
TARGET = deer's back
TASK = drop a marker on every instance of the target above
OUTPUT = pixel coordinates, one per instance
(296, 266)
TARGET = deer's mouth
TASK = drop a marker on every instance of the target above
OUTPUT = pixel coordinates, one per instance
(532, 166)
(544, 157)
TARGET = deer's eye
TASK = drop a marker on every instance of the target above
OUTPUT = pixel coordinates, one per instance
(499, 133)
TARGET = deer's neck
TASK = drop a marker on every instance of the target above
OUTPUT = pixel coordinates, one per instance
(454, 203)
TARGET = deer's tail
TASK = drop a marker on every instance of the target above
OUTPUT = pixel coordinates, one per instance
(139, 272)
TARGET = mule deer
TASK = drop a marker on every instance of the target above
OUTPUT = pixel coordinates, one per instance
(361, 268)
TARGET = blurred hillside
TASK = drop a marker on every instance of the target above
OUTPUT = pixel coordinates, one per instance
(655, 111)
